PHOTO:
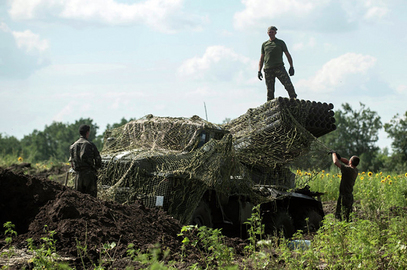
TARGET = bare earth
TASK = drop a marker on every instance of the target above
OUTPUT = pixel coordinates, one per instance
(37, 206)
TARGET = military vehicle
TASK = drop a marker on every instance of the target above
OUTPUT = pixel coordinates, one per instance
(213, 175)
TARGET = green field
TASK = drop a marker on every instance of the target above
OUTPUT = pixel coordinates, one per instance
(376, 238)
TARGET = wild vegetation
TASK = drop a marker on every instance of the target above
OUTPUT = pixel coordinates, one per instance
(375, 238)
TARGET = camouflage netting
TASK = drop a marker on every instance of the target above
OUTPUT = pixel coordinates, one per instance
(172, 162)
(280, 131)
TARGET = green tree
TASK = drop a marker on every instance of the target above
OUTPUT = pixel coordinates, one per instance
(9, 145)
(100, 139)
(356, 134)
(54, 141)
(397, 130)
(36, 146)
(122, 122)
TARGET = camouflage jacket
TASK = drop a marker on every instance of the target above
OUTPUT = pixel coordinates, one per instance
(84, 155)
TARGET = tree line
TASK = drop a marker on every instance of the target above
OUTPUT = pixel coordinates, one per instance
(53, 142)
(356, 134)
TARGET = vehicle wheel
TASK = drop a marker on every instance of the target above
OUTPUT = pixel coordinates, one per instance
(281, 224)
(202, 215)
(314, 220)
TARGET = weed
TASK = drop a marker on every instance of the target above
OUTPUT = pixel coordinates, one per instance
(255, 229)
(152, 259)
(45, 256)
(9, 233)
(210, 242)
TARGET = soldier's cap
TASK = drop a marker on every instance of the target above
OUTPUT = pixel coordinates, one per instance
(271, 28)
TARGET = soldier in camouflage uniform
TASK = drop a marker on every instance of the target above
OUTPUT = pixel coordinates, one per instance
(349, 174)
(272, 58)
(85, 160)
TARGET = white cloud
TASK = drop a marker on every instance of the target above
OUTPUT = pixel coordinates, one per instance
(369, 10)
(217, 63)
(30, 42)
(303, 45)
(83, 69)
(75, 104)
(163, 15)
(202, 92)
(366, 11)
(337, 71)
(4, 27)
(402, 89)
(257, 11)
(320, 15)
(117, 100)
(67, 110)
(212, 55)
(22, 52)
(376, 12)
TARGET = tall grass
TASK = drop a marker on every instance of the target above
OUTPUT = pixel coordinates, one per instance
(376, 238)
(379, 191)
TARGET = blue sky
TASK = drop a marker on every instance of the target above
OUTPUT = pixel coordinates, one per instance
(61, 60)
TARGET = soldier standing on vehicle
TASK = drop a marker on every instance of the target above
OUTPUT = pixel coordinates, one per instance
(272, 58)
(85, 160)
(349, 175)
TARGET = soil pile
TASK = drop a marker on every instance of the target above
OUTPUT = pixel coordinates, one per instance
(31, 203)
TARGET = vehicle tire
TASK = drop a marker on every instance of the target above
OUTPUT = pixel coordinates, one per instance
(202, 215)
(314, 220)
(281, 224)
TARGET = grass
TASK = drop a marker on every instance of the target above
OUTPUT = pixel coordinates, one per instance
(8, 160)
(376, 238)
(375, 191)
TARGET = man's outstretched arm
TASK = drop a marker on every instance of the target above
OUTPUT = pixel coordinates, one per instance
(336, 160)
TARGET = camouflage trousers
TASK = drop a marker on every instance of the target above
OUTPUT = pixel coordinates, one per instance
(86, 182)
(270, 77)
(344, 206)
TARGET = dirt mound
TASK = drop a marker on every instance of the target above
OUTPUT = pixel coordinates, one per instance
(31, 203)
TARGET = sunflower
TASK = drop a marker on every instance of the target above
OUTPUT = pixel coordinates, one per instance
(370, 174)
(20, 159)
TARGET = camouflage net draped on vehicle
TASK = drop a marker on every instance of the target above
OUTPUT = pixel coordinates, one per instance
(157, 158)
